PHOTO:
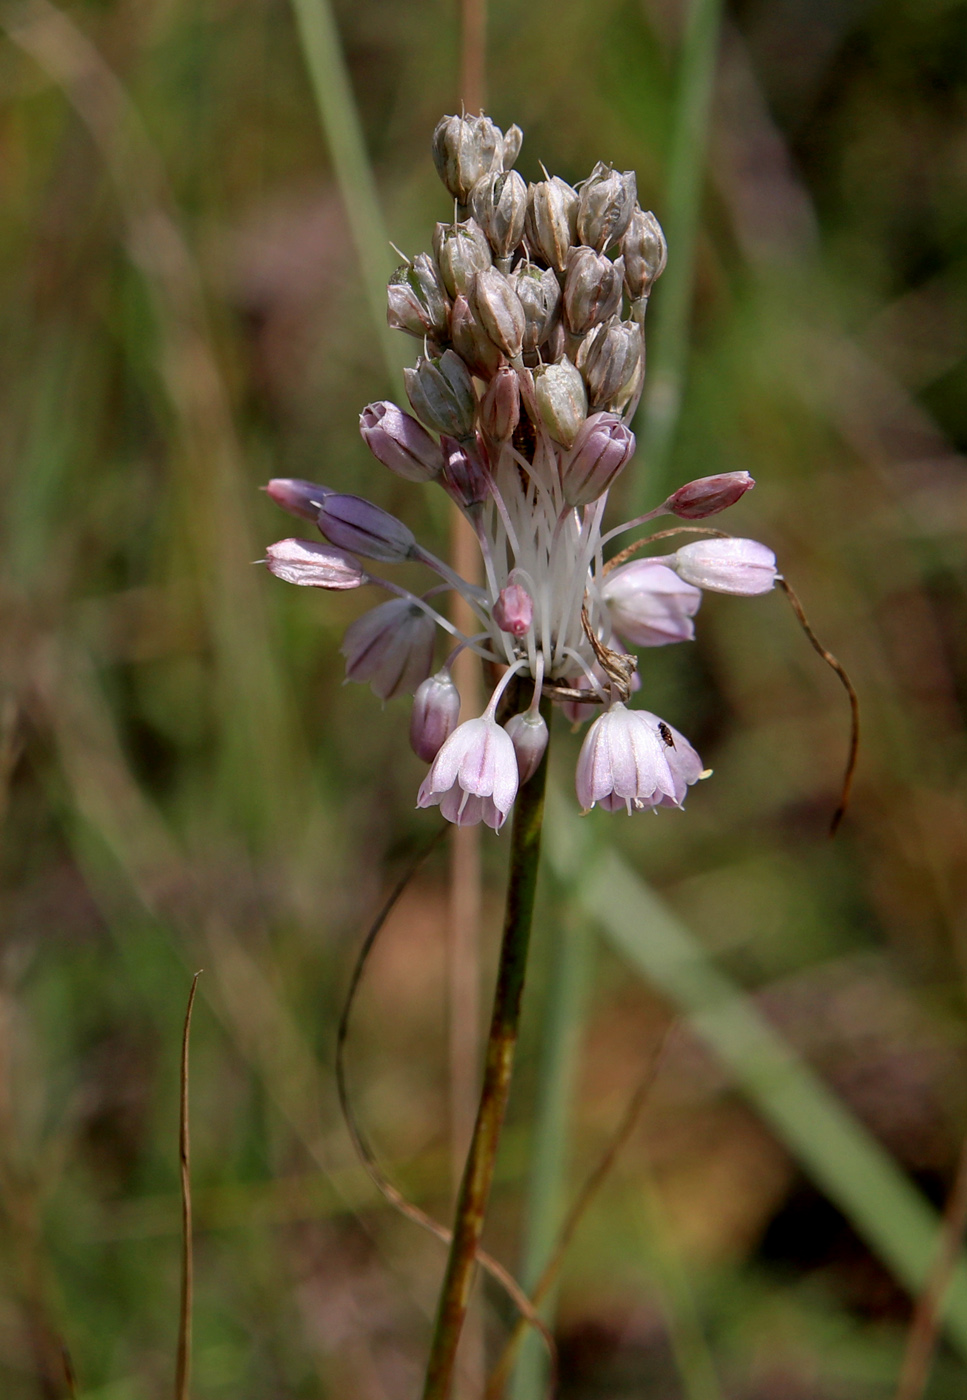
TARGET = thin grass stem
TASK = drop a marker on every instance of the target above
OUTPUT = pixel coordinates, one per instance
(183, 1355)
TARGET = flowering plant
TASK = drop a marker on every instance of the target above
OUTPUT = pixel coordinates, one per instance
(531, 310)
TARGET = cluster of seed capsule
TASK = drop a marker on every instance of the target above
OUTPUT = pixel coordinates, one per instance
(539, 275)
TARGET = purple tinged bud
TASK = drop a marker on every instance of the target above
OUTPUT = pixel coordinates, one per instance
(708, 495)
(474, 776)
(499, 310)
(649, 604)
(400, 442)
(416, 299)
(551, 226)
(528, 734)
(614, 365)
(623, 763)
(601, 449)
(726, 566)
(644, 252)
(465, 474)
(442, 395)
(513, 611)
(499, 204)
(356, 524)
(313, 565)
(461, 252)
(561, 399)
(606, 205)
(436, 710)
(298, 497)
(471, 341)
(500, 405)
(592, 290)
(391, 646)
(464, 149)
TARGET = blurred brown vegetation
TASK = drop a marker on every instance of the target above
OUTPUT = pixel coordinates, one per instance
(186, 782)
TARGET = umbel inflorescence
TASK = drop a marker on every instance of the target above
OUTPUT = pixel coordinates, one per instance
(531, 313)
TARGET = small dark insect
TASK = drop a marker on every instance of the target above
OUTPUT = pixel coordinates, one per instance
(666, 733)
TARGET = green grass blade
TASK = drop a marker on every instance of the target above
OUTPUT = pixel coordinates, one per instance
(841, 1157)
(343, 131)
(669, 321)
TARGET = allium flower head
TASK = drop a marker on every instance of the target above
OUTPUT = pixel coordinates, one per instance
(530, 314)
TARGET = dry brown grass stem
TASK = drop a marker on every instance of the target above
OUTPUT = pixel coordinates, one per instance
(183, 1355)
(854, 704)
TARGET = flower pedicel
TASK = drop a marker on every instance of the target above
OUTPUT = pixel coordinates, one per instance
(530, 312)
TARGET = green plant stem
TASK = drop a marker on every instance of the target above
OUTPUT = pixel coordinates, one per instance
(339, 117)
(563, 1023)
(669, 338)
(498, 1067)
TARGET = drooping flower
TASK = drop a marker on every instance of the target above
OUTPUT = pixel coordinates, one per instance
(474, 777)
(623, 763)
(649, 604)
(391, 646)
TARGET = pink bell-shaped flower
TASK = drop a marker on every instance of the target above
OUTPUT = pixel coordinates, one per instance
(650, 605)
(683, 762)
(623, 763)
(474, 776)
(745, 567)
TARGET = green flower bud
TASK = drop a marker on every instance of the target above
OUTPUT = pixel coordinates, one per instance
(644, 251)
(416, 300)
(499, 310)
(464, 149)
(605, 207)
(561, 399)
(613, 365)
(499, 204)
(461, 251)
(592, 290)
(551, 220)
(442, 395)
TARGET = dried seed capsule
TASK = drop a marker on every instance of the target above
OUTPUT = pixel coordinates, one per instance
(461, 251)
(499, 204)
(592, 290)
(436, 710)
(540, 296)
(464, 148)
(513, 138)
(551, 220)
(561, 400)
(614, 365)
(353, 523)
(601, 449)
(500, 405)
(441, 394)
(606, 204)
(416, 299)
(313, 565)
(471, 341)
(644, 251)
(400, 442)
(499, 310)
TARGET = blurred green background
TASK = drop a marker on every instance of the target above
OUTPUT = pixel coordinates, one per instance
(187, 783)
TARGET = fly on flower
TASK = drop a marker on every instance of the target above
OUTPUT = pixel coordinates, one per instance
(530, 315)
